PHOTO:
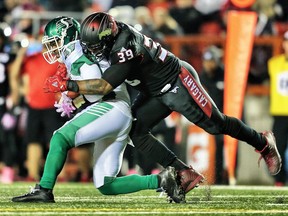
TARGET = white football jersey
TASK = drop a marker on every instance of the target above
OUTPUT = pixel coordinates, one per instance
(81, 68)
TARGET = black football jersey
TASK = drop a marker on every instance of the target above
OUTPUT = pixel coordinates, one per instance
(152, 69)
(5, 60)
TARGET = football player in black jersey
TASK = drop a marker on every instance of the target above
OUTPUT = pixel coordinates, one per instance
(8, 113)
(166, 84)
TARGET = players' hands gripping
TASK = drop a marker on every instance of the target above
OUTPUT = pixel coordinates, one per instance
(62, 71)
(55, 84)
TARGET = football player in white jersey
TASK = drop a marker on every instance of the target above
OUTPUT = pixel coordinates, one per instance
(103, 120)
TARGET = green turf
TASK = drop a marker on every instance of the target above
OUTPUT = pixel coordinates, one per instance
(84, 199)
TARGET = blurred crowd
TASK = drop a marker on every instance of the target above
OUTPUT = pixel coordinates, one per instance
(24, 141)
(155, 18)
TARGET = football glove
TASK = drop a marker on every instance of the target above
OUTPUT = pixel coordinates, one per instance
(55, 84)
(62, 71)
(65, 106)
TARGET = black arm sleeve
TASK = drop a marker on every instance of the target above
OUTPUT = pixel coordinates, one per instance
(116, 74)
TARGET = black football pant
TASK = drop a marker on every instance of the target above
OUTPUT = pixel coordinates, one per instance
(189, 98)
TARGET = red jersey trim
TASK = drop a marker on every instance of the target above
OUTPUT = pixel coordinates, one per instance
(198, 95)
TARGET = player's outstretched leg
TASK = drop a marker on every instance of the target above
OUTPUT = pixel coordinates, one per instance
(190, 178)
(168, 181)
(270, 154)
(37, 194)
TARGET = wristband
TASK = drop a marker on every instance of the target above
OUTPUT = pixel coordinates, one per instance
(72, 86)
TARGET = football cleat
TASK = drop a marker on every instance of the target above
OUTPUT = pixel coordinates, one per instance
(270, 154)
(36, 194)
(190, 178)
(168, 182)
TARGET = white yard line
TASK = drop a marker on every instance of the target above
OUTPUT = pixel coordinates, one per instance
(212, 212)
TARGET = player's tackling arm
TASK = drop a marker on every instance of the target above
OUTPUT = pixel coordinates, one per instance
(112, 77)
(93, 86)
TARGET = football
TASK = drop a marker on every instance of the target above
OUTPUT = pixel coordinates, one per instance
(70, 94)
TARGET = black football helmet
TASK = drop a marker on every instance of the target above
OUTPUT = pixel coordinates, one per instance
(97, 34)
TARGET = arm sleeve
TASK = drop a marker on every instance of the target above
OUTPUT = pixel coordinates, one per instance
(117, 74)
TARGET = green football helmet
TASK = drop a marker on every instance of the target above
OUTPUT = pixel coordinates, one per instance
(57, 33)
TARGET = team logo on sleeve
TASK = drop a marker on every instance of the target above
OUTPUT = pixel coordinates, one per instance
(133, 82)
(174, 90)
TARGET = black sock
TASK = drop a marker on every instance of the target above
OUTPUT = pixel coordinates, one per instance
(237, 129)
(260, 145)
(178, 164)
(45, 189)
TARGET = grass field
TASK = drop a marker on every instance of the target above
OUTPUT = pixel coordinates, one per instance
(84, 199)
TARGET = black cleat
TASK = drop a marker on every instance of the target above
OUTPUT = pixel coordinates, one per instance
(36, 195)
(270, 154)
(168, 181)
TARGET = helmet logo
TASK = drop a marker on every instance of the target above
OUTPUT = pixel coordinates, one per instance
(105, 33)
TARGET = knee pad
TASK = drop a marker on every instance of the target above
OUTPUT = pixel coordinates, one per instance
(216, 124)
(140, 141)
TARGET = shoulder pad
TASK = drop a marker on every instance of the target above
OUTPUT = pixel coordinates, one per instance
(126, 46)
